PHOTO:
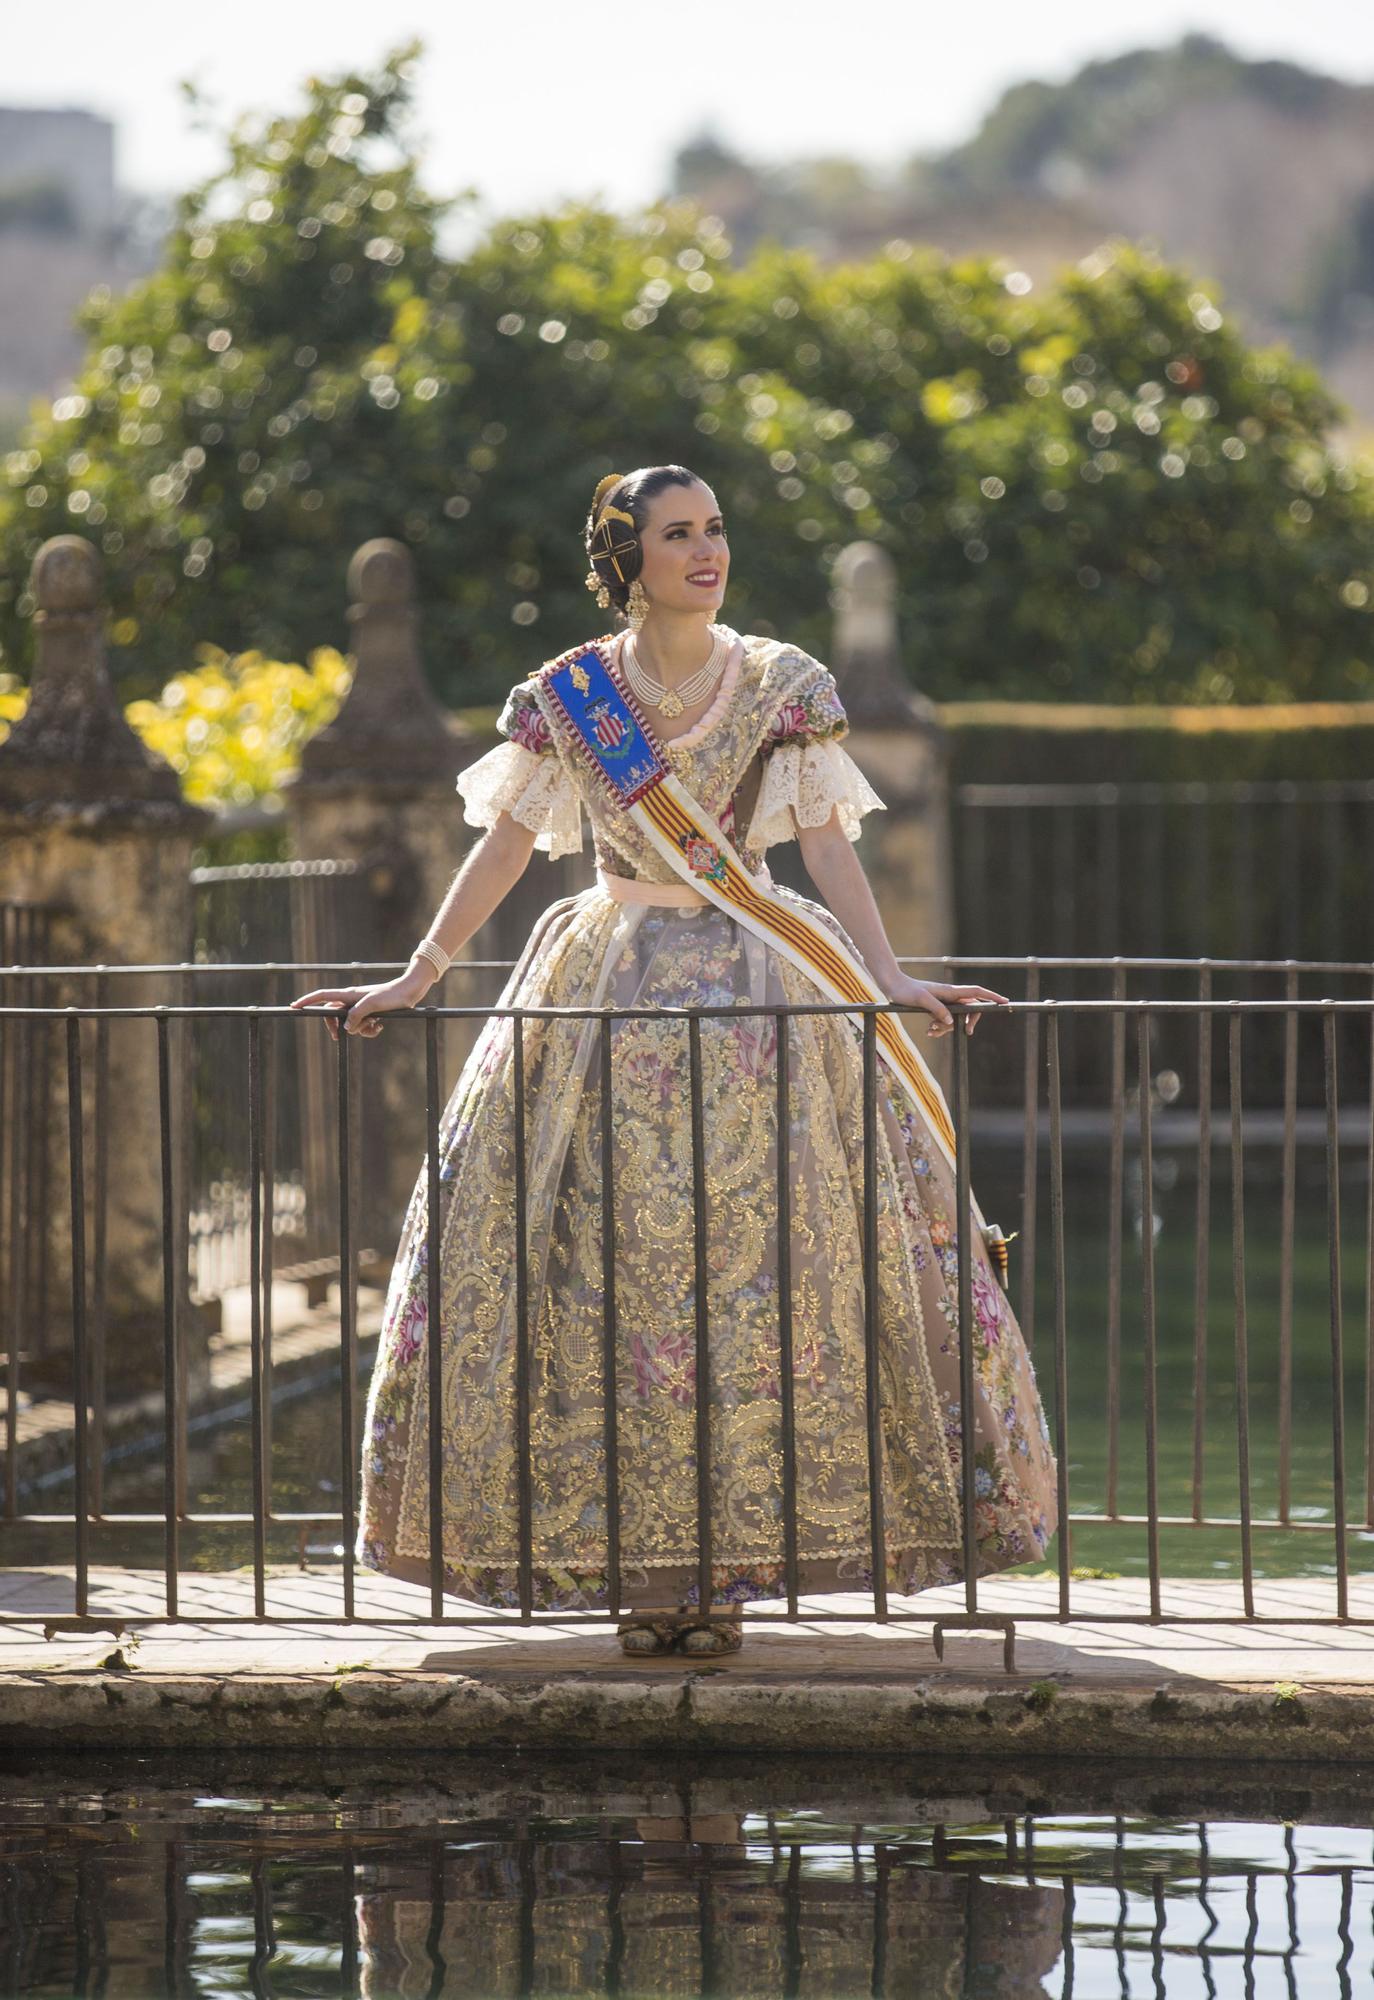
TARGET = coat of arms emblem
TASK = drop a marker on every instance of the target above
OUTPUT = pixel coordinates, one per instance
(704, 857)
(612, 731)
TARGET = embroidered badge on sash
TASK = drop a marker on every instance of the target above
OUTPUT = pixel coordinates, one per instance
(704, 858)
(605, 723)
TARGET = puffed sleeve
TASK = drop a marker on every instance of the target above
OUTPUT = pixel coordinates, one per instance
(524, 777)
(806, 774)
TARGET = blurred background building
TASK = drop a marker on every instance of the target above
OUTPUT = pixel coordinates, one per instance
(65, 227)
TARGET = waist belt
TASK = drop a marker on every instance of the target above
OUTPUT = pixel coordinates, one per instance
(662, 895)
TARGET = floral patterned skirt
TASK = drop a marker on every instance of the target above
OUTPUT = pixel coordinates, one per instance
(591, 951)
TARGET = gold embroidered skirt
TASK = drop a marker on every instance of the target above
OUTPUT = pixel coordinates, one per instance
(597, 949)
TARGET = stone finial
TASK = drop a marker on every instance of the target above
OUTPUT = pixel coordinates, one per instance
(867, 656)
(390, 727)
(72, 744)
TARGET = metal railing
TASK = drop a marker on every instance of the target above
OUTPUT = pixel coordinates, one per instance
(1247, 868)
(1137, 1111)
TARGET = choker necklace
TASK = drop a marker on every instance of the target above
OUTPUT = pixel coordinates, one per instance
(672, 701)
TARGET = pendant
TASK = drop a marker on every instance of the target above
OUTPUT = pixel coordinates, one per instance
(671, 703)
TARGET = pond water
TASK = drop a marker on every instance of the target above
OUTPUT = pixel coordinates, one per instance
(306, 1444)
(292, 1876)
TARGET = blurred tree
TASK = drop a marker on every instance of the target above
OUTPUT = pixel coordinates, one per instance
(235, 407)
(1095, 491)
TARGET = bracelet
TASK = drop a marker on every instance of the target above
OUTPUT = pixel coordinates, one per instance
(434, 952)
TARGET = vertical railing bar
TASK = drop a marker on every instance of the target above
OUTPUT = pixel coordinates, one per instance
(1333, 1233)
(963, 1209)
(264, 1931)
(1333, 868)
(786, 1380)
(1030, 1158)
(524, 1471)
(610, 1332)
(255, 1311)
(1147, 1266)
(32, 1137)
(1200, 844)
(1287, 1217)
(349, 1954)
(1066, 1934)
(1157, 1934)
(434, 1360)
(40, 1238)
(1061, 1333)
(9, 1221)
(877, 1513)
(1108, 876)
(171, 1475)
(1238, 1300)
(1202, 1239)
(703, 1326)
(269, 1209)
(1369, 1299)
(1290, 848)
(1115, 1203)
(100, 1251)
(882, 1866)
(347, 1303)
(77, 1165)
(180, 1038)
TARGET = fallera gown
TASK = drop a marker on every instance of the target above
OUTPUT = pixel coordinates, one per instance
(766, 757)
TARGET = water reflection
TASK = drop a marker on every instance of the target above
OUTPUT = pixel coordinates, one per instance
(734, 1909)
(299, 1876)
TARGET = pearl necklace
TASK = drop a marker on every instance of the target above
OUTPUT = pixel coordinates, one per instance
(672, 701)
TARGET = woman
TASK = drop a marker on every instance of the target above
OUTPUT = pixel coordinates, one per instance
(691, 750)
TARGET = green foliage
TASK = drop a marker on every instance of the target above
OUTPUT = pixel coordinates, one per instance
(1099, 491)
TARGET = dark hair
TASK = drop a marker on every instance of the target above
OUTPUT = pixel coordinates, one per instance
(632, 494)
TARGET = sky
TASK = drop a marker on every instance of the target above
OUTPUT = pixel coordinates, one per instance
(536, 101)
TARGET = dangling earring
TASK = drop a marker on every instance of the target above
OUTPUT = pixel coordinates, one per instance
(637, 604)
(598, 589)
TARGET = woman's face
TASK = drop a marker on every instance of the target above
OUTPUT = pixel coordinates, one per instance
(686, 555)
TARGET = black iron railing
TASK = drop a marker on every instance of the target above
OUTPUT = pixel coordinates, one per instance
(1137, 1122)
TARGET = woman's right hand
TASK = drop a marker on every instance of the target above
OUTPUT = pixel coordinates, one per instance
(365, 1003)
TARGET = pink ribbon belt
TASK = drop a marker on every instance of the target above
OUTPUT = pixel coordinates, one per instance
(630, 889)
(666, 895)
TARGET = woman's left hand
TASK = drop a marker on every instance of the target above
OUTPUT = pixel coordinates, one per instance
(937, 1000)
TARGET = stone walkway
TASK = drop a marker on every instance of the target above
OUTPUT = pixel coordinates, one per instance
(1294, 1688)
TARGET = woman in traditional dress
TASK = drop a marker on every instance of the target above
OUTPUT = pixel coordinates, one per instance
(690, 750)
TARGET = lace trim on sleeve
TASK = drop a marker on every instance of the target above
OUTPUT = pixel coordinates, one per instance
(807, 777)
(534, 789)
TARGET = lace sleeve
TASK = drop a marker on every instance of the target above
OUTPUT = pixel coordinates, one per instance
(803, 780)
(805, 772)
(525, 778)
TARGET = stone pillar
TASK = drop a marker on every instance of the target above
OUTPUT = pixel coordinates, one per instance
(376, 785)
(899, 744)
(94, 823)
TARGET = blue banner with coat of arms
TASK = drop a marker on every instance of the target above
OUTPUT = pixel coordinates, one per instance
(606, 728)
